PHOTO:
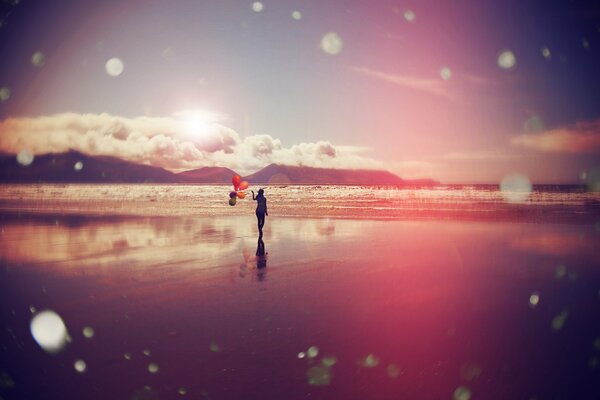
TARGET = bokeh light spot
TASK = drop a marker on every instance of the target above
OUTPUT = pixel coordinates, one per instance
(409, 15)
(507, 59)
(312, 352)
(49, 331)
(559, 321)
(38, 59)
(127, 356)
(114, 67)
(546, 53)
(446, 73)
(393, 371)
(25, 157)
(534, 124)
(370, 361)
(4, 93)
(329, 361)
(470, 371)
(153, 368)
(331, 43)
(534, 299)
(257, 6)
(297, 15)
(80, 366)
(182, 391)
(301, 355)
(214, 347)
(318, 376)
(515, 188)
(561, 272)
(78, 166)
(593, 180)
(585, 43)
(88, 332)
(462, 393)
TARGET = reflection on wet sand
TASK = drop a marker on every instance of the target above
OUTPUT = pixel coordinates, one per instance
(76, 242)
(375, 309)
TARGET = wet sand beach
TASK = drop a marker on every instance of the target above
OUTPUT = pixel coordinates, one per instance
(342, 308)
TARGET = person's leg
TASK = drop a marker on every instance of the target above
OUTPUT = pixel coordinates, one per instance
(258, 222)
(262, 221)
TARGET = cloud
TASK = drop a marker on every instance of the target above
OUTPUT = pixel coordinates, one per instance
(182, 141)
(480, 155)
(582, 137)
(431, 86)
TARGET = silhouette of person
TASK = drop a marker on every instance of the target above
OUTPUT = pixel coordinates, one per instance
(261, 210)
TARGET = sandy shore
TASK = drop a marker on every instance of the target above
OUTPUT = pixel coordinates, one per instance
(299, 201)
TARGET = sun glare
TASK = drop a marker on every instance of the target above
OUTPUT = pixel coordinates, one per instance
(196, 122)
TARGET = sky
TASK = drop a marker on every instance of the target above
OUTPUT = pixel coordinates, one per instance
(459, 91)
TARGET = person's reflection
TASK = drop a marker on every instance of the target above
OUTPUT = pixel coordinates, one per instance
(261, 259)
(261, 255)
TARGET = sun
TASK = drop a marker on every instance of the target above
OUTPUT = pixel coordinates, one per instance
(196, 122)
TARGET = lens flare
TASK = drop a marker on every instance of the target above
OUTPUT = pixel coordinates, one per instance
(409, 15)
(546, 53)
(88, 332)
(114, 67)
(318, 376)
(534, 124)
(38, 59)
(515, 188)
(592, 179)
(534, 299)
(585, 43)
(257, 6)
(25, 157)
(462, 393)
(393, 371)
(297, 15)
(80, 366)
(49, 331)
(507, 59)
(445, 73)
(331, 43)
(4, 93)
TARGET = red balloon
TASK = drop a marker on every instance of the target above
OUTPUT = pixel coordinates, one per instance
(236, 181)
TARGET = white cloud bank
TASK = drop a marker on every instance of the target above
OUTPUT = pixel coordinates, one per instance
(176, 143)
(582, 137)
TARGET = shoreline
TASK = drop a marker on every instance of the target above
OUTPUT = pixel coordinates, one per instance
(522, 214)
(342, 202)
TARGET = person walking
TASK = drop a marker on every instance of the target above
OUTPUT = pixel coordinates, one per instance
(261, 209)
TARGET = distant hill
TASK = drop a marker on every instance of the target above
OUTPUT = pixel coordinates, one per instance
(61, 168)
(207, 175)
(104, 169)
(285, 174)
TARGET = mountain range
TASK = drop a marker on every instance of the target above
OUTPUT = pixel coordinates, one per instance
(80, 168)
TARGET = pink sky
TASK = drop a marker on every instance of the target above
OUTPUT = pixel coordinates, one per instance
(422, 97)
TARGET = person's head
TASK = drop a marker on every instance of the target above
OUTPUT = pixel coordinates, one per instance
(261, 192)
